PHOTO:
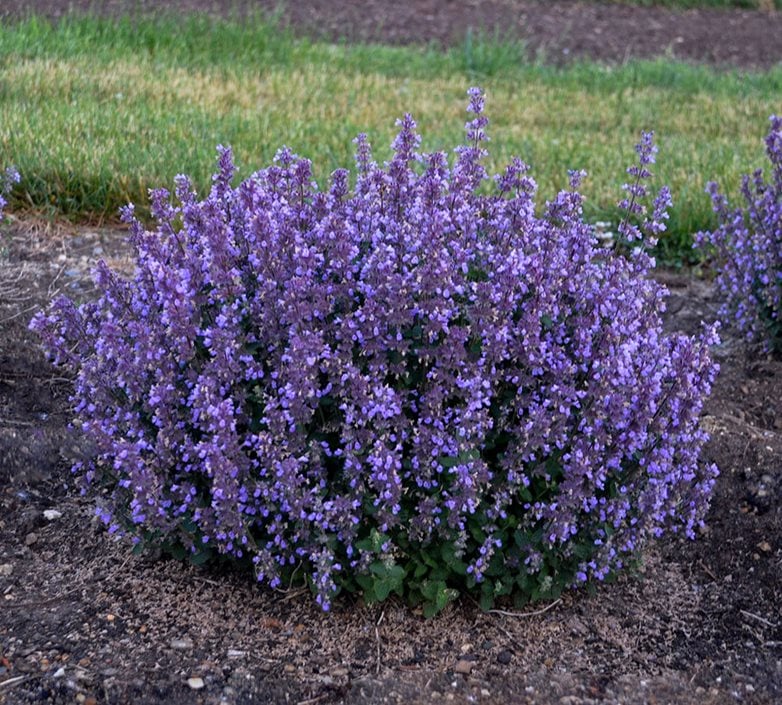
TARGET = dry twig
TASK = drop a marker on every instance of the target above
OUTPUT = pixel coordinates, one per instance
(527, 614)
(759, 618)
(377, 639)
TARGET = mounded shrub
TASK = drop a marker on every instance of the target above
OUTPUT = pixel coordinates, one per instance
(748, 243)
(413, 386)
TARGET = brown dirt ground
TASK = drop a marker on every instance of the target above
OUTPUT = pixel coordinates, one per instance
(81, 620)
(557, 31)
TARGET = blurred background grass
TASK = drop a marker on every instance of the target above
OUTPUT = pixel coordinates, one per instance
(94, 112)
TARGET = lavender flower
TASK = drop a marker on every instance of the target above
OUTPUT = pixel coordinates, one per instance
(409, 387)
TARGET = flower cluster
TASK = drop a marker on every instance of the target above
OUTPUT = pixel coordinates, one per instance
(7, 180)
(412, 385)
(749, 246)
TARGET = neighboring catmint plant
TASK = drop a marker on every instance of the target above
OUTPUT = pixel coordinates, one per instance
(7, 179)
(406, 387)
(749, 248)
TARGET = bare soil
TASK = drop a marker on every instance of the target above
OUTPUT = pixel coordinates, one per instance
(557, 31)
(82, 620)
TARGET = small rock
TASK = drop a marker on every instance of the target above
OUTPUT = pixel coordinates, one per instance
(578, 628)
(570, 700)
(765, 546)
(235, 653)
(195, 683)
(504, 657)
(6, 569)
(51, 514)
(181, 644)
(463, 666)
(485, 693)
(289, 668)
(30, 539)
(80, 698)
(340, 672)
(59, 673)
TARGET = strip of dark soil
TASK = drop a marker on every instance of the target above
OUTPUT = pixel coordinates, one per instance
(557, 31)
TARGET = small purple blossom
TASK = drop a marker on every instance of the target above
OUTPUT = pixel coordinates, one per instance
(8, 178)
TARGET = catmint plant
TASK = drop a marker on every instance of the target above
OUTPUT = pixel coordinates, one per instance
(748, 243)
(415, 385)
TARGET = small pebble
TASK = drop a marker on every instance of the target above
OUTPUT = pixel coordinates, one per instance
(463, 667)
(195, 683)
(6, 569)
(30, 539)
(59, 673)
(181, 644)
(504, 657)
(51, 514)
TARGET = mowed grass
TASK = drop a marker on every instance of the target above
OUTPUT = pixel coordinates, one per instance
(93, 112)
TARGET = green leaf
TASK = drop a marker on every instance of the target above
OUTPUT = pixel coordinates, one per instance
(429, 609)
(367, 584)
(202, 556)
(455, 564)
(175, 549)
(486, 601)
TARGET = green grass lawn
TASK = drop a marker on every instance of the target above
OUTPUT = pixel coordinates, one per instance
(95, 112)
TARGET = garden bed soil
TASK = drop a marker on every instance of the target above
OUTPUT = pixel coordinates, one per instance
(556, 32)
(83, 620)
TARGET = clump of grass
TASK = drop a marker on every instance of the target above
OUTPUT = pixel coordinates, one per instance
(94, 112)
